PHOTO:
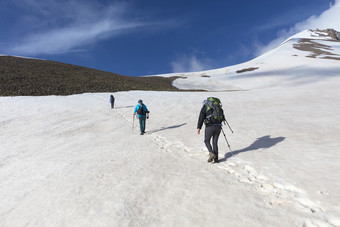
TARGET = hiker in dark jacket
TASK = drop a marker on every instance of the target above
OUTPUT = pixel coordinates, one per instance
(112, 101)
(143, 113)
(212, 126)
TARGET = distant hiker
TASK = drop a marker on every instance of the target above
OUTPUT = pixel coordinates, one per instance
(143, 114)
(212, 115)
(112, 101)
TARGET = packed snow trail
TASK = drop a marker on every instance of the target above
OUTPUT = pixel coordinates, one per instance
(72, 161)
(79, 167)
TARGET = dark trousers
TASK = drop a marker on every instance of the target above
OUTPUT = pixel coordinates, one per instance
(112, 104)
(213, 132)
(142, 120)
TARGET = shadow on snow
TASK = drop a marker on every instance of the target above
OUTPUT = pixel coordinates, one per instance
(260, 143)
(121, 107)
(165, 128)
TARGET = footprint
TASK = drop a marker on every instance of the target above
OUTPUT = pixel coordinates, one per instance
(249, 169)
(261, 177)
(231, 164)
(243, 179)
(187, 149)
(268, 188)
(231, 171)
(275, 202)
(309, 204)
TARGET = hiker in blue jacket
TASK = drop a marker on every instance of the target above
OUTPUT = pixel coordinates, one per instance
(143, 113)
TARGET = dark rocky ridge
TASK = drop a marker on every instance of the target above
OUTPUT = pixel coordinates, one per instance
(335, 35)
(33, 77)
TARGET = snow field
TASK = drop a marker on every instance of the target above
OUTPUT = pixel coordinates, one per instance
(72, 161)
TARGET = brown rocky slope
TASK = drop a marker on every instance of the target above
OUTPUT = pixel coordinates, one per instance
(33, 77)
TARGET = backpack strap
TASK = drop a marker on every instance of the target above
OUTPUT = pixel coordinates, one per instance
(209, 105)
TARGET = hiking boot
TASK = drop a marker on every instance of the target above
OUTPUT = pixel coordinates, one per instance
(216, 160)
(211, 157)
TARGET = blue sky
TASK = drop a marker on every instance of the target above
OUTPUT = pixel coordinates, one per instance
(144, 37)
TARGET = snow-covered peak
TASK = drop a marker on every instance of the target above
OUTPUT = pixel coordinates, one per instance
(307, 56)
(326, 34)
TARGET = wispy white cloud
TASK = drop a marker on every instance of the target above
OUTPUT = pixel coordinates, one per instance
(190, 63)
(328, 19)
(60, 26)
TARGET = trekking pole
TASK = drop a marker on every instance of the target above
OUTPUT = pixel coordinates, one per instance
(227, 142)
(228, 125)
(133, 123)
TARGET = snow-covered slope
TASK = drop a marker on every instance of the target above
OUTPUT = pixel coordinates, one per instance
(308, 56)
(72, 161)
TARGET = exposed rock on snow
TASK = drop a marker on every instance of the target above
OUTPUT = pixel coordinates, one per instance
(247, 70)
(326, 33)
(317, 49)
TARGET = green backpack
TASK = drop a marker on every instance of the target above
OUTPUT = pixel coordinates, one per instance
(214, 110)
